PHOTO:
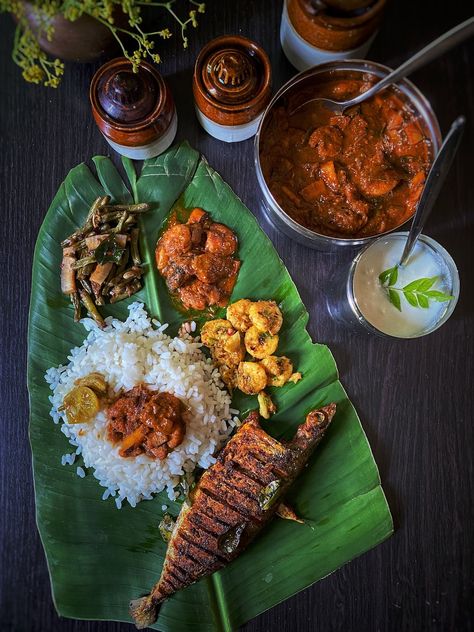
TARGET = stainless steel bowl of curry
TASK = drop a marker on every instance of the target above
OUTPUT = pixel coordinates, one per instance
(331, 181)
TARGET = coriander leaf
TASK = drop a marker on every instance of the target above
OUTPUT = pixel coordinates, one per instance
(436, 295)
(394, 298)
(423, 301)
(411, 298)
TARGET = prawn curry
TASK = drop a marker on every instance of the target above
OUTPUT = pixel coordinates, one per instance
(351, 175)
(197, 260)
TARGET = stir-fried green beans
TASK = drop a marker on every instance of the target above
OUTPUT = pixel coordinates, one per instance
(85, 261)
(91, 307)
(77, 306)
(101, 260)
(134, 247)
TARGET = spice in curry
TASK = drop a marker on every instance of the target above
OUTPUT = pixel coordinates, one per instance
(351, 175)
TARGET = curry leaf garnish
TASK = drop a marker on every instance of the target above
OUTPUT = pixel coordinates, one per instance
(268, 494)
(231, 539)
(166, 527)
(394, 298)
(436, 295)
(186, 491)
(411, 298)
(108, 251)
(417, 293)
(393, 278)
(385, 275)
(420, 285)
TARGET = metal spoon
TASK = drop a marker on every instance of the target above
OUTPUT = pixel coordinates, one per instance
(434, 182)
(436, 48)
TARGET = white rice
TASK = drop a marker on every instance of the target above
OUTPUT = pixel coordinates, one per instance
(132, 352)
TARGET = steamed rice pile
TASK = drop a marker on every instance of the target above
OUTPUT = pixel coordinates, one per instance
(138, 351)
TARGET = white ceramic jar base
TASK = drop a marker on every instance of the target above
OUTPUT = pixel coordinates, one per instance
(151, 150)
(228, 133)
(303, 55)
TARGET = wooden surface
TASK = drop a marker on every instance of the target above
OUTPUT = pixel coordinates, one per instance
(414, 397)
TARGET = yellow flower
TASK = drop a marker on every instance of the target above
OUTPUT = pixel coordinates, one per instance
(37, 67)
(34, 74)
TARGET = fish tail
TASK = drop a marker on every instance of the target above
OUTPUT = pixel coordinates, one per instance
(144, 611)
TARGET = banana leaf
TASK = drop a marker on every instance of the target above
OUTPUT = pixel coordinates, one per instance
(99, 557)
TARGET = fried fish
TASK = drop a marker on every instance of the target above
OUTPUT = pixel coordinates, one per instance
(233, 501)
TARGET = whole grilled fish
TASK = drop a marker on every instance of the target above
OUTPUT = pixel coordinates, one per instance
(232, 502)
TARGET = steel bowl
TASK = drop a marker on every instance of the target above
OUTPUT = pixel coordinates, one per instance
(274, 212)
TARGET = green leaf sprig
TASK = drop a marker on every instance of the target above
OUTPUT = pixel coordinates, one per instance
(36, 21)
(417, 293)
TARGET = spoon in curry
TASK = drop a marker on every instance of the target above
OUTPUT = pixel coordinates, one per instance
(433, 50)
(434, 182)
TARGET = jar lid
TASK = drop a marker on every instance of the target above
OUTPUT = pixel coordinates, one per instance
(232, 80)
(127, 96)
(131, 108)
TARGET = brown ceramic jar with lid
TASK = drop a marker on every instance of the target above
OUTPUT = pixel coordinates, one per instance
(134, 111)
(317, 31)
(232, 87)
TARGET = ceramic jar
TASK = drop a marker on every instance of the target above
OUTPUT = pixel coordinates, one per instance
(231, 87)
(83, 40)
(135, 112)
(317, 31)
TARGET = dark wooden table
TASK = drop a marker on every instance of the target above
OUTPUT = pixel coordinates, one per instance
(414, 397)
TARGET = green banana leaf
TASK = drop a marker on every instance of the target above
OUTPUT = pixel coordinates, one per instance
(99, 557)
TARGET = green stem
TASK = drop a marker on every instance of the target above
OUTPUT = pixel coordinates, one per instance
(176, 17)
(151, 33)
(114, 30)
(164, 5)
(16, 44)
(167, 6)
(114, 33)
(117, 28)
(141, 32)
